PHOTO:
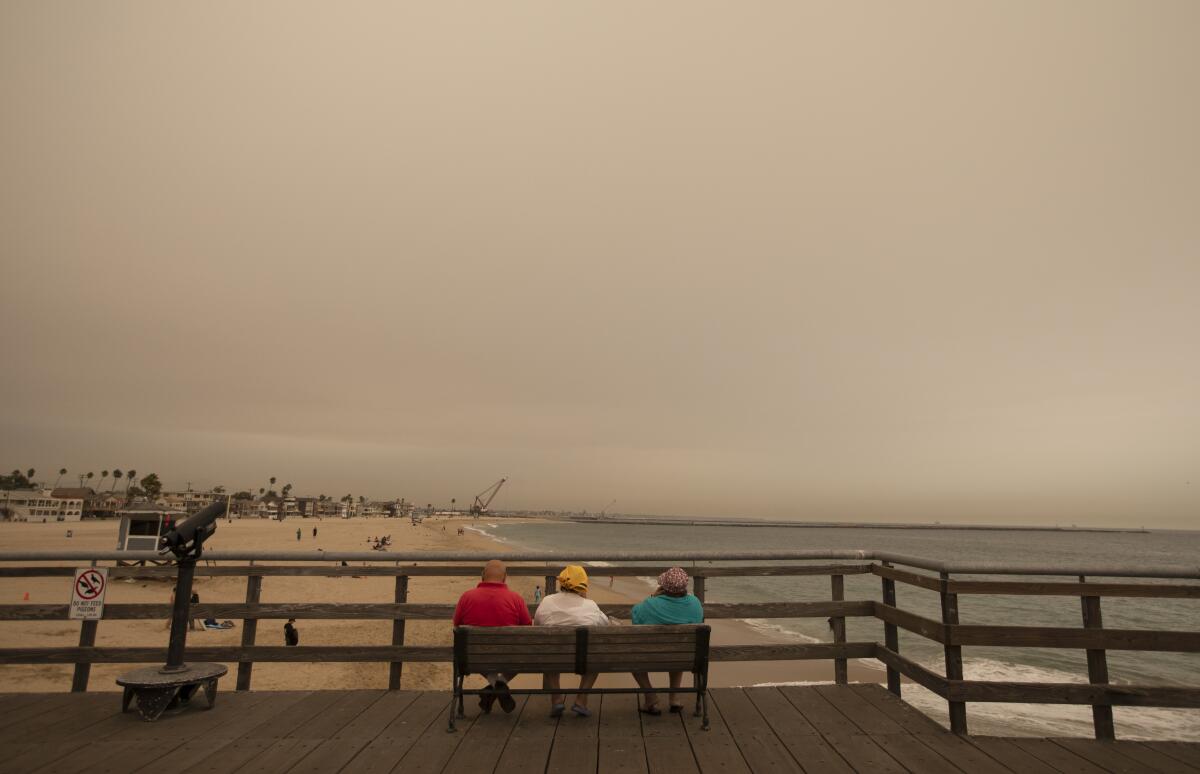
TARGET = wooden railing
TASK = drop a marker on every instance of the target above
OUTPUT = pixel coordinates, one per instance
(1091, 637)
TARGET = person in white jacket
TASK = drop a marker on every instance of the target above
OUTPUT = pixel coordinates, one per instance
(570, 607)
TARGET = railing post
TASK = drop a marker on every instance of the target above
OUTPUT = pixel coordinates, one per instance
(698, 586)
(840, 675)
(891, 637)
(1097, 661)
(396, 667)
(954, 670)
(249, 630)
(87, 638)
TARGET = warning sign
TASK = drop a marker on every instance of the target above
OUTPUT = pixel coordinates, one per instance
(87, 595)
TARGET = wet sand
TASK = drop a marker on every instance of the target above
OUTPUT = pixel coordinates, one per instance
(341, 535)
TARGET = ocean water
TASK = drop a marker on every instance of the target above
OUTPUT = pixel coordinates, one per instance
(980, 663)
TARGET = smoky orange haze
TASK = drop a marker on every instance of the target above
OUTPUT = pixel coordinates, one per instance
(851, 261)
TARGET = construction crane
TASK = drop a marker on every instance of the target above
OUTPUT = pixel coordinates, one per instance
(484, 499)
(604, 511)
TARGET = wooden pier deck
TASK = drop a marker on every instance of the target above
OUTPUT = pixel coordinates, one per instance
(825, 728)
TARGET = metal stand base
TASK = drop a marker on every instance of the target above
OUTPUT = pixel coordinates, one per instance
(156, 689)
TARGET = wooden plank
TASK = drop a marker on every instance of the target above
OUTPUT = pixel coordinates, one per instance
(862, 713)
(667, 748)
(575, 747)
(1075, 693)
(863, 754)
(819, 713)
(953, 652)
(715, 750)
(760, 747)
(378, 716)
(281, 755)
(926, 627)
(427, 713)
(891, 635)
(529, 742)
(245, 669)
(1186, 752)
(336, 715)
(410, 610)
(16, 724)
(913, 671)
(838, 593)
(282, 724)
(231, 653)
(960, 752)
(1061, 589)
(904, 576)
(483, 743)
(434, 748)
(466, 571)
(813, 752)
(1097, 660)
(1083, 639)
(62, 722)
(909, 751)
(1105, 756)
(1010, 756)
(396, 668)
(622, 749)
(329, 755)
(1056, 756)
(210, 742)
(1148, 756)
(797, 652)
(910, 718)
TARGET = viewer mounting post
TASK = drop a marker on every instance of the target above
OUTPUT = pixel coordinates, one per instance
(176, 682)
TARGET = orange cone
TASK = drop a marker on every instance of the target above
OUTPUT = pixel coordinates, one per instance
(26, 596)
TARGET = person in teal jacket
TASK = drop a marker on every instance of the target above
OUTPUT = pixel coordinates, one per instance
(670, 605)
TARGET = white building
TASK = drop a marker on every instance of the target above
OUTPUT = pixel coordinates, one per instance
(40, 505)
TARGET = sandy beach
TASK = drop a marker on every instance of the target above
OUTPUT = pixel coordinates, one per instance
(341, 535)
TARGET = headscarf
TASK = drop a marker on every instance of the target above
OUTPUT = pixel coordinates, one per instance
(573, 578)
(674, 581)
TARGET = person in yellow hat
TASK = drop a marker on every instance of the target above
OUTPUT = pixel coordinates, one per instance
(570, 607)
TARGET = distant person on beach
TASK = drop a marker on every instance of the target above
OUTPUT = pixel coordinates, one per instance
(297, 533)
(291, 636)
(670, 605)
(570, 607)
(493, 603)
(537, 594)
(314, 531)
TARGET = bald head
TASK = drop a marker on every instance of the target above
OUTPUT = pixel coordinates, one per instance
(495, 571)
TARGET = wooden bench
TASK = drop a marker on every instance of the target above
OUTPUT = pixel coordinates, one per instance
(582, 650)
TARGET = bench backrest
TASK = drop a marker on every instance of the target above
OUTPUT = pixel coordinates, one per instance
(581, 649)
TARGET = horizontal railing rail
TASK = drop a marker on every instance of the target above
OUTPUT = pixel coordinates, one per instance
(1161, 581)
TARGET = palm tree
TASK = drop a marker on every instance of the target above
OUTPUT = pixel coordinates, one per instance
(90, 476)
(29, 475)
(129, 480)
(272, 487)
(116, 477)
(261, 491)
(103, 475)
(61, 472)
(452, 501)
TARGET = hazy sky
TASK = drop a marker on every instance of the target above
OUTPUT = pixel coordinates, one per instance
(837, 260)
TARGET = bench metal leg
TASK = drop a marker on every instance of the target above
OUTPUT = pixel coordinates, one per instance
(704, 701)
(455, 698)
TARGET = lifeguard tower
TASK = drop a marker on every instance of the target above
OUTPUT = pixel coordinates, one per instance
(143, 524)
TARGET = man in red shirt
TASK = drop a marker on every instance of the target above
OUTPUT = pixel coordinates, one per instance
(493, 603)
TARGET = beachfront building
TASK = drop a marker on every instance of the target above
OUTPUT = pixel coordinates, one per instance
(40, 505)
(103, 505)
(189, 501)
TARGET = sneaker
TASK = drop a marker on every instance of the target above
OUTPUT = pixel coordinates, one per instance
(485, 702)
(507, 702)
